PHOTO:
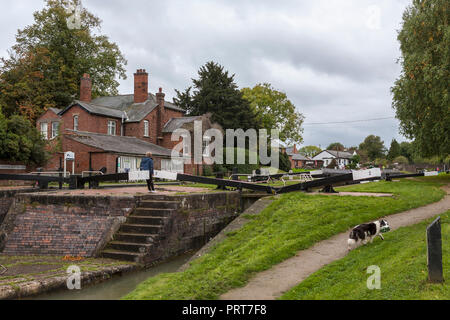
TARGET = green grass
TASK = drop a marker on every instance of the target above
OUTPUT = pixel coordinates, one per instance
(402, 259)
(291, 223)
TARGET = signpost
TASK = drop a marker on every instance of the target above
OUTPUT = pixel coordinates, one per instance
(434, 252)
(69, 156)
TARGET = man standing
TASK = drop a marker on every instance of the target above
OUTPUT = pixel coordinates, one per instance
(147, 164)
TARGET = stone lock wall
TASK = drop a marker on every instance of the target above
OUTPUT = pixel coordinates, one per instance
(42, 224)
(199, 218)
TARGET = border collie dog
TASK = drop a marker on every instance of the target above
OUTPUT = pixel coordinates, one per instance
(366, 232)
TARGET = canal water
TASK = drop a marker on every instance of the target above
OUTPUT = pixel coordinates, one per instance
(118, 286)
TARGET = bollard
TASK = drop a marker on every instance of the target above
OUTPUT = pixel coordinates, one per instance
(434, 252)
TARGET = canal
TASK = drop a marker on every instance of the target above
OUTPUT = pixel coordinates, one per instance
(118, 286)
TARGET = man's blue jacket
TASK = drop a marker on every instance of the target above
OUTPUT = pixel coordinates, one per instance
(147, 164)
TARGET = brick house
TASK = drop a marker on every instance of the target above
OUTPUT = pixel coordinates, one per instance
(115, 132)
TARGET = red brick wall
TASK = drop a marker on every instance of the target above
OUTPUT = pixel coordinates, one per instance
(88, 122)
(49, 116)
(47, 225)
(137, 129)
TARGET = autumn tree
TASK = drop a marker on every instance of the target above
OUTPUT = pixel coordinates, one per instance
(420, 95)
(50, 56)
(275, 111)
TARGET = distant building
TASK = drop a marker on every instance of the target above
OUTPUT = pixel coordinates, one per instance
(327, 156)
(115, 132)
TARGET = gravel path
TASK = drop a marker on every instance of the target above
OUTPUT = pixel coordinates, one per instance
(272, 283)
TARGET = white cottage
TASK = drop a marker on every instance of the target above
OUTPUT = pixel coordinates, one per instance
(342, 157)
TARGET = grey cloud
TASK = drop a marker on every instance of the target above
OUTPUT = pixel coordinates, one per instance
(321, 53)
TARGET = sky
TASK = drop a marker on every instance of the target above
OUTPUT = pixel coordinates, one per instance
(335, 59)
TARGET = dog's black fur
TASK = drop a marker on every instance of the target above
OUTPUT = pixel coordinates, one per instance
(366, 231)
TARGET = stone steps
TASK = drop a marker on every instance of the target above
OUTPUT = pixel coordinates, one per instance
(147, 220)
(135, 237)
(129, 246)
(143, 228)
(158, 204)
(121, 255)
(140, 228)
(153, 212)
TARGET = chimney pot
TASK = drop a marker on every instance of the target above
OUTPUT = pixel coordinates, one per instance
(86, 88)
(140, 86)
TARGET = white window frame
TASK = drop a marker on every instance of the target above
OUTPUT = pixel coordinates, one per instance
(146, 128)
(205, 146)
(112, 127)
(75, 123)
(186, 147)
(55, 131)
(44, 133)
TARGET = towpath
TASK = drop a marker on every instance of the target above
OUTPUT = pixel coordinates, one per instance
(272, 283)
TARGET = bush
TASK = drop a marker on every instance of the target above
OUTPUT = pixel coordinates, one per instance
(401, 160)
(242, 168)
(21, 141)
(208, 171)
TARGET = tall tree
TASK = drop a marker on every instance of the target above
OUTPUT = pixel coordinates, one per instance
(310, 151)
(216, 92)
(276, 111)
(421, 98)
(337, 146)
(50, 56)
(394, 150)
(407, 150)
(374, 147)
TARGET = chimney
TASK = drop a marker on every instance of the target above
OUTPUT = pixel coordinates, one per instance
(140, 86)
(160, 114)
(86, 88)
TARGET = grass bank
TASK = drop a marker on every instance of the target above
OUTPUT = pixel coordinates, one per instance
(402, 259)
(291, 223)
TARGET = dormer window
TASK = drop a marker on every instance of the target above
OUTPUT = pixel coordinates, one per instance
(112, 128)
(75, 123)
(146, 128)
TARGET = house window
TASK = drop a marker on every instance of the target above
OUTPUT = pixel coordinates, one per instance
(55, 128)
(44, 130)
(112, 128)
(75, 123)
(186, 146)
(206, 142)
(146, 128)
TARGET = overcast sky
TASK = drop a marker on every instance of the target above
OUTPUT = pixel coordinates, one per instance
(335, 59)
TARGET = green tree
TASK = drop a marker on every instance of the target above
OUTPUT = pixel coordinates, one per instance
(216, 92)
(310, 151)
(50, 56)
(337, 146)
(407, 150)
(275, 111)
(354, 161)
(374, 147)
(394, 150)
(420, 95)
(21, 141)
(285, 163)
